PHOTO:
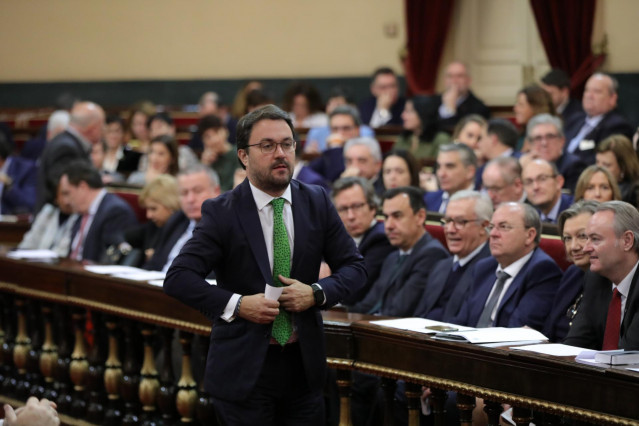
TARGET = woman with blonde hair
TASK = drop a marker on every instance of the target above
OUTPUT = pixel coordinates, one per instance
(596, 183)
(617, 155)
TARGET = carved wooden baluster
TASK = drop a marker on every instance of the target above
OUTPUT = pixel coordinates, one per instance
(21, 350)
(187, 391)
(149, 383)
(79, 366)
(344, 389)
(49, 351)
(95, 374)
(494, 410)
(36, 333)
(466, 405)
(7, 371)
(131, 376)
(62, 385)
(204, 410)
(113, 375)
(389, 386)
(168, 390)
(413, 395)
(438, 398)
(522, 416)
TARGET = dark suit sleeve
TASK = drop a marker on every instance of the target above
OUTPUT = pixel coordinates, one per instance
(589, 324)
(21, 195)
(376, 291)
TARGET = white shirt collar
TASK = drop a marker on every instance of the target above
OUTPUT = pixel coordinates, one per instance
(262, 199)
(514, 268)
(463, 261)
(554, 212)
(594, 121)
(624, 286)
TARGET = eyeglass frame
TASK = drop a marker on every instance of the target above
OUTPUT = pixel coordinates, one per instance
(293, 143)
(541, 179)
(457, 224)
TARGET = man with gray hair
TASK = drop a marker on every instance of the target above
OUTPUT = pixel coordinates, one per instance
(363, 158)
(515, 286)
(599, 120)
(502, 180)
(195, 185)
(607, 318)
(546, 137)
(456, 169)
(467, 215)
(86, 125)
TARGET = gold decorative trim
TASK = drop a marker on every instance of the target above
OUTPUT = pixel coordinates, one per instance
(111, 309)
(340, 363)
(491, 395)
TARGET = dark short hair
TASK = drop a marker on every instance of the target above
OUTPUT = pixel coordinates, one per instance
(81, 171)
(246, 123)
(382, 71)
(415, 196)
(411, 163)
(162, 116)
(348, 182)
(172, 146)
(307, 90)
(505, 131)
(556, 77)
(210, 122)
(114, 119)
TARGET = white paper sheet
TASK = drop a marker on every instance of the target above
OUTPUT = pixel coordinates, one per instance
(160, 283)
(493, 335)
(272, 293)
(142, 276)
(32, 254)
(556, 349)
(421, 325)
(112, 269)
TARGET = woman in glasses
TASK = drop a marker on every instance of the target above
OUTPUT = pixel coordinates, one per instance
(572, 228)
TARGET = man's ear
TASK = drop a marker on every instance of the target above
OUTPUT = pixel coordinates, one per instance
(243, 156)
(628, 240)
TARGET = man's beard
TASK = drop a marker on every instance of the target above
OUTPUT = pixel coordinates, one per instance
(265, 180)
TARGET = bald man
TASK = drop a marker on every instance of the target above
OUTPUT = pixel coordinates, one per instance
(86, 125)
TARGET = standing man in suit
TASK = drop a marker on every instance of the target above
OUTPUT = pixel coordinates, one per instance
(103, 217)
(607, 318)
(86, 126)
(465, 221)
(516, 285)
(17, 181)
(543, 184)
(405, 271)
(195, 185)
(546, 136)
(456, 169)
(267, 363)
(356, 203)
(599, 120)
(385, 106)
(458, 100)
(557, 83)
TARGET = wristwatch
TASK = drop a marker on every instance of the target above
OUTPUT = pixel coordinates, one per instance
(318, 294)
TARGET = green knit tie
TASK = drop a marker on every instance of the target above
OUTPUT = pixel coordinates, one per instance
(282, 327)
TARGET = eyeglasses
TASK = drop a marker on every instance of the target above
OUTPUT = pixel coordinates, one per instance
(548, 137)
(581, 238)
(494, 188)
(541, 179)
(354, 207)
(457, 223)
(502, 227)
(270, 147)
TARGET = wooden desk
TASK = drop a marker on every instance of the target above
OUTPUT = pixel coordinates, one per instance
(11, 233)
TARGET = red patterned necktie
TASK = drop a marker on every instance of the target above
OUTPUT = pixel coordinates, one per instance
(613, 323)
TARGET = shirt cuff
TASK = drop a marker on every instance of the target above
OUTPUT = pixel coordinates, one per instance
(227, 315)
(380, 117)
(444, 112)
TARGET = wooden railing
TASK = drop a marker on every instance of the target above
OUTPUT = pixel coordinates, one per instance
(104, 349)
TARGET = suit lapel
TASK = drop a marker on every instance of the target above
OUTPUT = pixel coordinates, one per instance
(436, 287)
(631, 303)
(250, 223)
(514, 285)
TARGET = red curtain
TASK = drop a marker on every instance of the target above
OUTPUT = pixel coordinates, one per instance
(565, 27)
(427, 23)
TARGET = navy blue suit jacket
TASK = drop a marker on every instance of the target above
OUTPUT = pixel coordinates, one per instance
(471, 105)
(527, 300)
(172, 230)
(20, 197)
(375, 247)
(589, 325)
(229, 240)
(433, 200)
(400, 294)
(367, 107)
(310, 176)
(612, 123)
(330, 164)
(435, 288)
(570, 167)
(573, 109)
(566, 201)
(113, 217)
(570, 287)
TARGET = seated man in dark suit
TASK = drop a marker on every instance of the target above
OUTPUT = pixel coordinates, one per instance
(458, 100)
(557, 83)
(515, 286)
(546, 137)
(607, 318)
(404, 272)
(356, 203)
(385, 106)
(500, 141)
(456, 169)
(600, 118)
(17, 181)
(85, 129)
(465, 221)
(195, 186)
(103, 217)
(543, 184)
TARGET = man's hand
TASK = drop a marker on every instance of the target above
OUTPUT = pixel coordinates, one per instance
(41, 413)
(350, 172)
(296, 296)
(449, 98)
(385, 101)
(256, 308)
